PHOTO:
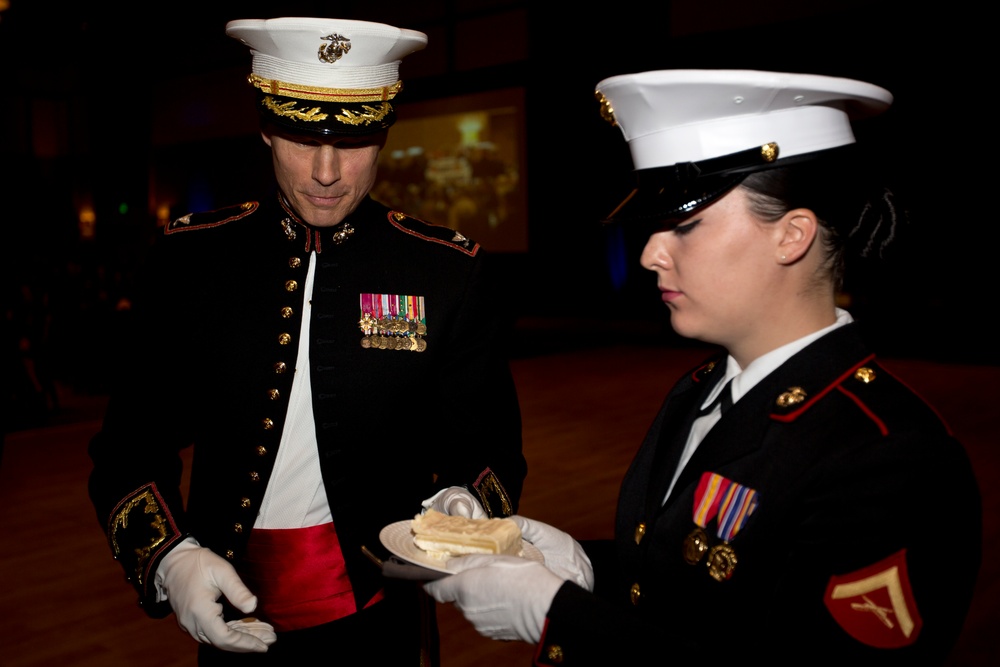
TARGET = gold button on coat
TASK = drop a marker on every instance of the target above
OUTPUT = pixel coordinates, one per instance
(865, 374)
(291, 285)
(273, 394)
(280, 367)
(294, 262)
(238, 528)
(554, 653)
(244, 503)
(793, 396)
(284, 339)
(635, 594)
(287, 312)
(640, 530)
(261, 450)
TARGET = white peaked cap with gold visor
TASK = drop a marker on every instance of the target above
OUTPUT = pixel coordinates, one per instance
(326, 76)
(695, 134)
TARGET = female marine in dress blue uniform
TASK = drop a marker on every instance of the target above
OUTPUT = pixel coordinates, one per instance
(793, 502)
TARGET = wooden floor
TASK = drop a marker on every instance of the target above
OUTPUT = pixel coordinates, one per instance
(63, 601)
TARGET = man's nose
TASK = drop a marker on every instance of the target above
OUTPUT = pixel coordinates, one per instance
(326, 165)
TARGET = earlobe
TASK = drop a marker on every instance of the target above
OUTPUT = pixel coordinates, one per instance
(799, 229)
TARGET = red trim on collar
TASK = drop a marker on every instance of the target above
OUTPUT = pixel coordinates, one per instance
(703, 370)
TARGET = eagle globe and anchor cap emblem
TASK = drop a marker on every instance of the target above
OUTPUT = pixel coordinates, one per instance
(335, 50)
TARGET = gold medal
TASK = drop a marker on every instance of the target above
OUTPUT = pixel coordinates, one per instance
(721, 562)
(695, 546)
(366, 342)
(421, 345)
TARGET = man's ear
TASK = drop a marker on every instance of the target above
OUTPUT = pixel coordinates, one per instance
(266, 137)
(798, 229)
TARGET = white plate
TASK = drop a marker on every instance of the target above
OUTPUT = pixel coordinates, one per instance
(398, 539)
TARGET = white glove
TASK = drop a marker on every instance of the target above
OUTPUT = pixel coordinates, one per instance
(504, 597)
(455, 501)
(193, 578)
(563, 555)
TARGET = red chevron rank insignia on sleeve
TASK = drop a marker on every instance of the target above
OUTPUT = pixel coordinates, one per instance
(875, 604)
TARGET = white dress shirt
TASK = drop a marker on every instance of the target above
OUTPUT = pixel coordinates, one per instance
(743, 380)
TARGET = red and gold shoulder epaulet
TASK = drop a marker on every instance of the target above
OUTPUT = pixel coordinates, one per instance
(794, 401)
(209, 219)
(433, 233)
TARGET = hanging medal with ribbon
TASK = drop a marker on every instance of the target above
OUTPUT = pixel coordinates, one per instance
(420, 323)
(369, 320)
(731, 505)
(394, 325)
(734, 510)
(393, 322)
(383, 321)
(409, 315)
(707, 496)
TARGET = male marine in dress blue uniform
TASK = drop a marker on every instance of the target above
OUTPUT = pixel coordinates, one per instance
(331, 377)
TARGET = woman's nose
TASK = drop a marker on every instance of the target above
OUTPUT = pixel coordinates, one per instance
(655, 255)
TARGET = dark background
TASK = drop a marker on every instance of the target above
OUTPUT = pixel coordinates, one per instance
(101, 100)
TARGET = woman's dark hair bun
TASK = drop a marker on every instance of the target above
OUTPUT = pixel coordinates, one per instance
(865, 219)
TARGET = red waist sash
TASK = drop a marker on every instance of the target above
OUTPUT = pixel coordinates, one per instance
(298, 576)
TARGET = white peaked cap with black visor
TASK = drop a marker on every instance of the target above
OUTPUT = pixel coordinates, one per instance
(696, 134)
(326, 76)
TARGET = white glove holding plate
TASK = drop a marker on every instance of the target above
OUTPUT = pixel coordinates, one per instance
(456, 501)
(193, 578)
(507, 598)
(563, 555)
(504, 597)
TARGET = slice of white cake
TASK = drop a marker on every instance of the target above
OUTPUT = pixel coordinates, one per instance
(443, 536)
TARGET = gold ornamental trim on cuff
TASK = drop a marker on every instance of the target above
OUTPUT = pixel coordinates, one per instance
(139, 525)
(492, 495)
(322, 94)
